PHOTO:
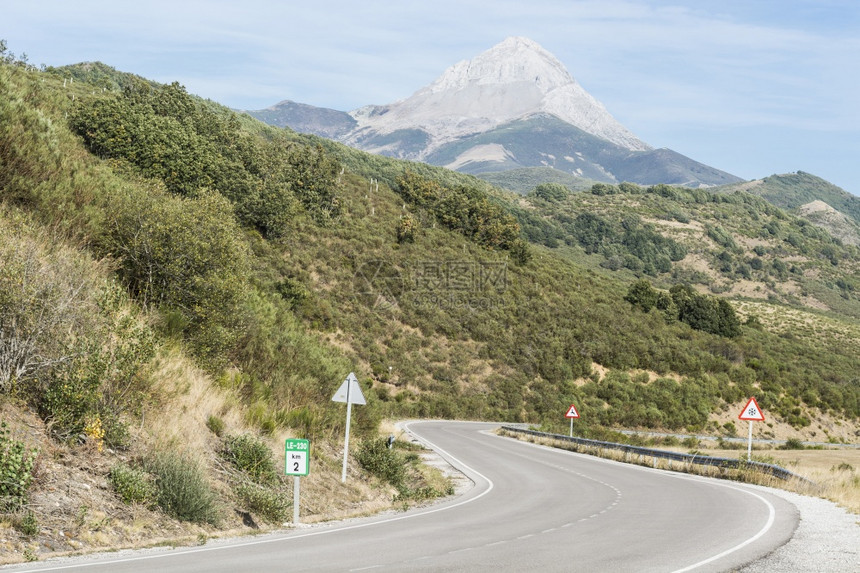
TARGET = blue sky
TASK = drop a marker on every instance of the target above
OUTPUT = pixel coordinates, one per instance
(750, 87)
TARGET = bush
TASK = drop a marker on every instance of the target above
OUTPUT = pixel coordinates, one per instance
(181, 488)
(375, 457)
(16, 470)
(252, 456)
(132, 485)
(215, 425)
(792, 444)
(185, 256)
(29, 524)
(269, 503)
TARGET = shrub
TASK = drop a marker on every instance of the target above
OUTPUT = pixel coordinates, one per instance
(181, 488)
(691, 442)
(375, 457)
(406, 229)
(16, 470)
(186, 256)
(553, 192)
(132, 485)
(252, 456)
(29, 524)
(269, 503)
(792, 444)
(215, 425)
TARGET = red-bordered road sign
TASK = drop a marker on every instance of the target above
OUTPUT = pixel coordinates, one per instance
(751, 412)
(571, 412)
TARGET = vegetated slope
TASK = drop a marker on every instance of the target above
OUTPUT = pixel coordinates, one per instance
(118, 282)
(733, 244)
(537, 330)
(792, 190)
(812, 198)
(525, 180)
(280, 262)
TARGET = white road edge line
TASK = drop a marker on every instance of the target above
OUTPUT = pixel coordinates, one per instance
(771, 509)
(454, 461)
(770, 520)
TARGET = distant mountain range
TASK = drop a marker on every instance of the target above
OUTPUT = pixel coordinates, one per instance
(514, 106)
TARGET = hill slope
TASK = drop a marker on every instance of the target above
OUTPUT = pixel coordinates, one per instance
(220, 277)
(803, 193)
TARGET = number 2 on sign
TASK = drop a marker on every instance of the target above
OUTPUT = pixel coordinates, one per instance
(296, 466)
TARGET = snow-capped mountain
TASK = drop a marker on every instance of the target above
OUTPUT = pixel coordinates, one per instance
(510, 107)
(513, 80)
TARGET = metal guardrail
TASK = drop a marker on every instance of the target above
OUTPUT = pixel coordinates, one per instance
(727, 463)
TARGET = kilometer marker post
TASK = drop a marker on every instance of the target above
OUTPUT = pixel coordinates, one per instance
(752, 413)
(297, 458)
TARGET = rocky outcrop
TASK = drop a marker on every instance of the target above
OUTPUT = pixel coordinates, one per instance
(513, 80)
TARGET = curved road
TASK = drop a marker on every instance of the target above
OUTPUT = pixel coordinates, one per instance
(532, 509)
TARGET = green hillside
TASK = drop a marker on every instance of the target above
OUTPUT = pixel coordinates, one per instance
(297, 232)
(724, 243)
(147, 234)
(792, 190)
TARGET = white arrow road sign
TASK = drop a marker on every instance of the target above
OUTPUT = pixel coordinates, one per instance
(349, 391)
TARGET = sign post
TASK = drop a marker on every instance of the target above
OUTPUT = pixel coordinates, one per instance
(571, 413)
(297, 465)
(752, 413)
(349, 392)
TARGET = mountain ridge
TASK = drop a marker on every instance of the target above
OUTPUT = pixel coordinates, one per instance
(514, 79)
(477, 100)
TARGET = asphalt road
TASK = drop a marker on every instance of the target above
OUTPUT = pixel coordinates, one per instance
(531, 509)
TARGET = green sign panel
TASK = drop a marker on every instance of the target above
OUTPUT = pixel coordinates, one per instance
(297, 457)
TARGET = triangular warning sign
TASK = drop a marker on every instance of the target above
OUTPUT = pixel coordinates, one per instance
(349, 391)
(751, 412)
(571, 412)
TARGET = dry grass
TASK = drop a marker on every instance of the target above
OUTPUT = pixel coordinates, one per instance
(801, 323)
(185, 398)
(823, 428)
(834, 474)
(78, 513)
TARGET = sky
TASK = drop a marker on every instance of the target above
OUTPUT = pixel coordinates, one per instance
(752, 87)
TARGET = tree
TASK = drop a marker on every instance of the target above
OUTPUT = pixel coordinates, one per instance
(45, 303)
(185, 256)
(642, 294)
(552, 192)
(706, 313)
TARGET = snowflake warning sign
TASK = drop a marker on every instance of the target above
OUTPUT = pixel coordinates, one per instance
(751, 412)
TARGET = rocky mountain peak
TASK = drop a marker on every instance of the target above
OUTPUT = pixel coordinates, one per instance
(514, 60)
(514, 79)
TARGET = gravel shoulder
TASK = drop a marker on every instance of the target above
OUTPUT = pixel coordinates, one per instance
(827, 539)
